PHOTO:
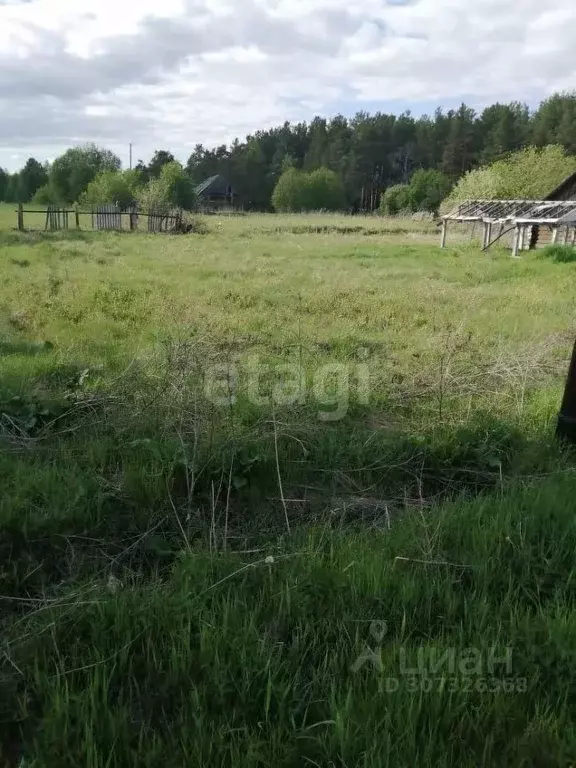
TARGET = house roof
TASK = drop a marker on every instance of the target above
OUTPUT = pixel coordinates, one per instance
(214, 185)
(564, 191)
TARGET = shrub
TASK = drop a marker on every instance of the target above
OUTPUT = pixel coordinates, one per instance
(325, 191)
(300, 191)
(428, 189)
(562, 254)
(396, 200)
(173, 188)
(290, 191)
(47, 195)
(112, 187)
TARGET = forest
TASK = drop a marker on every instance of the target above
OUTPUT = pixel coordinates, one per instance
(369, 153)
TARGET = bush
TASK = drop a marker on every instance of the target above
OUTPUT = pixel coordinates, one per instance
(395, 200)
(300, 191)
(178, 187)
(173, 189)
(428, 189)
(47, 195)
(115, 187)
(531, 174)
(562, 254)
(290, 191)
(325, 191)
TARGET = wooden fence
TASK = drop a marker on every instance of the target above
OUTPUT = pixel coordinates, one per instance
(107, 217)
(110, 218)
(56, 219)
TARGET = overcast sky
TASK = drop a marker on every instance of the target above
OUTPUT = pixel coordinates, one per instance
(174, 73)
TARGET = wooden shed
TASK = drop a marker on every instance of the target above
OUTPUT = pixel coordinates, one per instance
(216, 193)
(543, 235)
(524, 224)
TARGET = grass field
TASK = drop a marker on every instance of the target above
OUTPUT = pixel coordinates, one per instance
(285, 493)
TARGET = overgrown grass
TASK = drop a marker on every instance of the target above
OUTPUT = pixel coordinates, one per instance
(563, 254)
(261, 658)
(192, 566)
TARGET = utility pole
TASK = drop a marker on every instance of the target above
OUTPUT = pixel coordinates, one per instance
(567, 419)
(130, 155)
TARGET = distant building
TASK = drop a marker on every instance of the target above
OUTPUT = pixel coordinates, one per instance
(216, 193)
(542, 236)
(528, 223)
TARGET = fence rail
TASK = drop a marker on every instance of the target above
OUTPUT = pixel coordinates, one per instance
(108, 218)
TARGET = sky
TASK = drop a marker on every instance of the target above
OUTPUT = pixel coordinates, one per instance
(169, 74)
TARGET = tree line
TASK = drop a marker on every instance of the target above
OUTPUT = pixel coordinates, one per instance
(368, 154)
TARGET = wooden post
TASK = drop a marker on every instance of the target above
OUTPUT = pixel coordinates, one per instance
(77, 217)
(516, 242)
(444, 233)
(20, 217)
(489, 235)
(567, 419)
(574, 236)
(565, 237)
(521, 237)
(554, 235)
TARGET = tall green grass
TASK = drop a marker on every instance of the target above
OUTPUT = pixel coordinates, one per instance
(324, 649)
(191, 583)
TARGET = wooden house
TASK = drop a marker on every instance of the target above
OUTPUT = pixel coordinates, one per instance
(216, 193)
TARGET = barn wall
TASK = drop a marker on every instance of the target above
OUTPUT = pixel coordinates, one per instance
(545, 236)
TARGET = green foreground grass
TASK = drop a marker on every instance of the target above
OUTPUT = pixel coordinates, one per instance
(256, 579)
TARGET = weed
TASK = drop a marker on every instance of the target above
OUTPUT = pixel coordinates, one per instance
(562, 254)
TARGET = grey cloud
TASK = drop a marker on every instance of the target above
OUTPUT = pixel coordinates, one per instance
(158, 47)
(61, 123)
(162, 88)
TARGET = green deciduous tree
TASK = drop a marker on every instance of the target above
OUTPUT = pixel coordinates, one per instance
(324, 191)
(118, 187)
(396, 200)
(47, 195)
(428, 189)
(173, 188)
(72, 172)
(297, 190)
(425, 192)
(290, 191)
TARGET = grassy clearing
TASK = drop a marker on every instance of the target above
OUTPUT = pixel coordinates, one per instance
(149, 475)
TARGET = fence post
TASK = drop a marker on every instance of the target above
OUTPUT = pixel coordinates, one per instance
(20, 217)
(567, 419)
(77, 216)
(444, 233)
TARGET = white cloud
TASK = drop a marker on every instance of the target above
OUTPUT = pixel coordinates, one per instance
(178, 72)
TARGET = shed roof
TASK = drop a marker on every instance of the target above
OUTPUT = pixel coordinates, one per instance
(525, 211)
(564, 191)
